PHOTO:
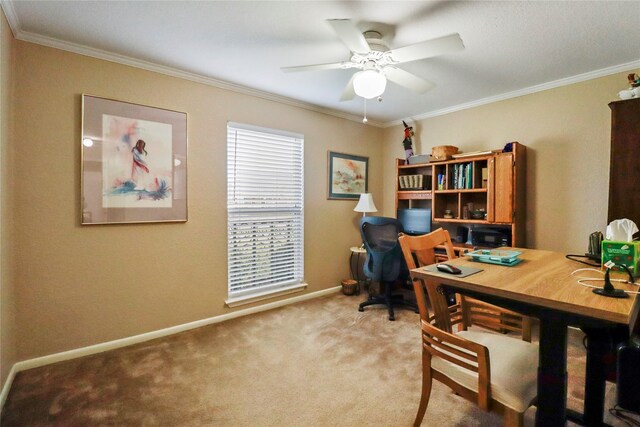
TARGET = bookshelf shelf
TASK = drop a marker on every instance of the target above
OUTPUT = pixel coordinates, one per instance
(417, 194)
(466, 221)
(467, 190)
(419, 165)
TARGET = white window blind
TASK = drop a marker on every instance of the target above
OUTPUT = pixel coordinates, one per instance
(265, 210)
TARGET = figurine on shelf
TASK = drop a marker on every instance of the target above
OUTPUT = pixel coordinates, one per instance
(634, 87)
(407, 143)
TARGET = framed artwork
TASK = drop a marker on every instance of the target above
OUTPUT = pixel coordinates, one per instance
(348, 176)
(134, 163)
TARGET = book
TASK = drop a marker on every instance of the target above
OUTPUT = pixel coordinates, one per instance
(455, 176)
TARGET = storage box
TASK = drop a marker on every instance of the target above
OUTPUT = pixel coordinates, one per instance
(444, 152)
(625, 253)
(419, 159)
(485, 177)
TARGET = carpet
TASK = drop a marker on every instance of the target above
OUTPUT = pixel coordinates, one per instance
(315, 363)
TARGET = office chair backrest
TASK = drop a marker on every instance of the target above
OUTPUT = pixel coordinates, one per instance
(384, 257)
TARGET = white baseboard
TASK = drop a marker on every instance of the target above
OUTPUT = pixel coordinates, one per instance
(123, 342)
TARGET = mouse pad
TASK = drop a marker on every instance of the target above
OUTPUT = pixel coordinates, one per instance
(466, 271)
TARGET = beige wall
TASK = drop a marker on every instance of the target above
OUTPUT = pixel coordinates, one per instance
(7, 296)
(81, 285)
(567, 134)
(77, 286)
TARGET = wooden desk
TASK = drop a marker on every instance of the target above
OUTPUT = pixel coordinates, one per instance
(542, 286)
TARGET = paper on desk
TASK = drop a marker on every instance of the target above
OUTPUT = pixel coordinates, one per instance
(621, 230)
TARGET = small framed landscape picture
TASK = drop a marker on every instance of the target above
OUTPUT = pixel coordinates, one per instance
(134, 163)
(348, 176)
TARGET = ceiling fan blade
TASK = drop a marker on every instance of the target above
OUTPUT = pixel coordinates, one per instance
(428, 48)
(407, 79)
(330, 66)
(350, 35)
(349, 92)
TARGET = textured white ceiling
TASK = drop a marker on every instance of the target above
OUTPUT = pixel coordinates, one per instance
(510, 46)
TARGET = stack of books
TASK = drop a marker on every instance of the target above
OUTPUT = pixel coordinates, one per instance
(462, 176)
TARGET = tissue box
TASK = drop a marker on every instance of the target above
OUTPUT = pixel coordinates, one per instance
(625, 253)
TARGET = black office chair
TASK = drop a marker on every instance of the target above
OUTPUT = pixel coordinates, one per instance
(384, 262)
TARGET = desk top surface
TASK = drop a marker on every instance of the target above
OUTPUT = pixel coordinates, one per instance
(543, 278)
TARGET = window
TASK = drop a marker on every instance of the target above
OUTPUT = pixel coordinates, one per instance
(265, 213)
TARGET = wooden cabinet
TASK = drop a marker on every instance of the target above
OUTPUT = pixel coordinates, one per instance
(624, 172)
(502, 203)
(478, 192)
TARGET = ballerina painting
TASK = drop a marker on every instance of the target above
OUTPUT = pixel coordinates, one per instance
(137, 166)
(134, 163)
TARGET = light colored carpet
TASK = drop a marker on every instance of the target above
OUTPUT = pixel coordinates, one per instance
(317, 363)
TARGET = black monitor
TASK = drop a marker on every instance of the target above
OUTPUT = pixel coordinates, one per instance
(415, 221)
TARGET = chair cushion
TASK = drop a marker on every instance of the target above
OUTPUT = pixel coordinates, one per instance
(513, 366)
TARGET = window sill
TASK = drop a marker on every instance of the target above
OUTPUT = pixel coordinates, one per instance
(249, 299)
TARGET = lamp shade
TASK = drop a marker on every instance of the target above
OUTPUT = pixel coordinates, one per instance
(365, 204)
(369, 84)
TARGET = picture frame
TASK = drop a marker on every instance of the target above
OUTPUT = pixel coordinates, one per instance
(348, 176)
(133, 163)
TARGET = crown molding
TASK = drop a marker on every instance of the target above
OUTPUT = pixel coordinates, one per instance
(12, 17)
(175, 72)
(7, 386)
(526, 91)
(14, 24)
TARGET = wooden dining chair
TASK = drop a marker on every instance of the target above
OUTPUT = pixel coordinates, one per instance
(496, 371)
(419, 251)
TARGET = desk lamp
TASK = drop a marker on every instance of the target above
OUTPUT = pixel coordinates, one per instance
(365, 204)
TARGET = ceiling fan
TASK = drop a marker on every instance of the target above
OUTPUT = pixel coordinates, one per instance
(371, 55)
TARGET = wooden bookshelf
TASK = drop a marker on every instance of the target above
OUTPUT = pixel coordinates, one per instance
(493, 182)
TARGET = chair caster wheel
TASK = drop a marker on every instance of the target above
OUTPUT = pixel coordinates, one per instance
(360, 308)
(392, 318)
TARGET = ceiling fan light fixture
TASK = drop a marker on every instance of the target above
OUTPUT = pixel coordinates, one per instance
(369, 84)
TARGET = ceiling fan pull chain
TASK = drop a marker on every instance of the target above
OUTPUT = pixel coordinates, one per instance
(364, 120)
